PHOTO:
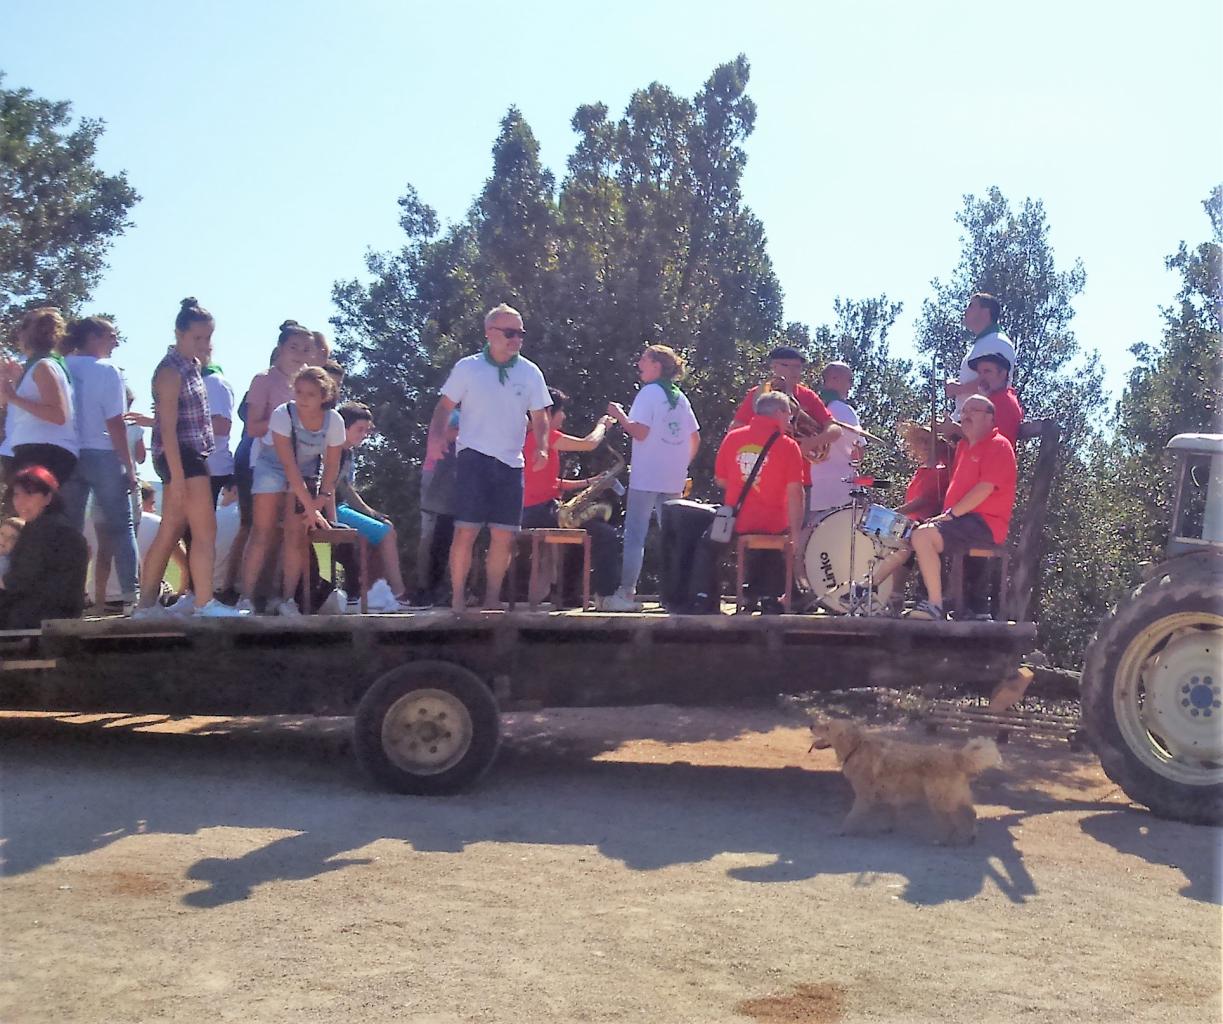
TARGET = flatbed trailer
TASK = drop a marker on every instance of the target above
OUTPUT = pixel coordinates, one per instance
(426, 690)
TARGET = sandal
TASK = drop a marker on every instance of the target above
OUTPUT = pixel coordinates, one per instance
(926, 610)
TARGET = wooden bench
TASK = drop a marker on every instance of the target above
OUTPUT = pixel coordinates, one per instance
(333, 536)
(552, 537)
(746, 542)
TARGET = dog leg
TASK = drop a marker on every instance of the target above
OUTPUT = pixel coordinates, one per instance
(857, 821)
(963, 825)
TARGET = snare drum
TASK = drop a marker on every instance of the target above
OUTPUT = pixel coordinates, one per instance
(823, 559)
(891, 529)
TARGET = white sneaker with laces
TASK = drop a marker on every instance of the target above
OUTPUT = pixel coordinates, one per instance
(381, 598)
(153, 611)
(287, 609)
(618, 602)
(215, 609)
(185, 605)
(245, 606)
(335, 604)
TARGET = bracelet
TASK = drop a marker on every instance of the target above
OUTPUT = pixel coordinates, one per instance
(326, 494)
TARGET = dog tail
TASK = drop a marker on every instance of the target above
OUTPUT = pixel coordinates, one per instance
(978, 754)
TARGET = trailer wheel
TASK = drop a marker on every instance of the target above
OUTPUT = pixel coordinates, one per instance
(428, 727)
(1152, 695)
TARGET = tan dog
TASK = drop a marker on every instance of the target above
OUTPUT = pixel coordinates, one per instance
(887, 774)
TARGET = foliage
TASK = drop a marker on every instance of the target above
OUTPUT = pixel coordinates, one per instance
(59, 212)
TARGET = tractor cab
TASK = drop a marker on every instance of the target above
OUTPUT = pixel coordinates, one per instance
(1197, 512)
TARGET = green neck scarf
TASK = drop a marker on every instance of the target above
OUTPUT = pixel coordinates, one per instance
(670, 389)
(212, 368)
(503, 369)
(55, 357)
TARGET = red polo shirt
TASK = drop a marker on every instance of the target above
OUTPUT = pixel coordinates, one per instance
(540, 485)
(928, 485)
(1008, 414)
(808, 401)
(765, 509)
(990, 460)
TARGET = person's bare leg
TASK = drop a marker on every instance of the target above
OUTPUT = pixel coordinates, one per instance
(265, 515)
(460, 564)
(295, 559)
(928, 546)
(233, 565)
(388, 556)
(202, 517)
(169, 533)
(496, 563)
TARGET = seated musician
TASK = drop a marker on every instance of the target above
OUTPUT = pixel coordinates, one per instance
(541, 497)
(786, 366)
(775, 504)
(976, 509)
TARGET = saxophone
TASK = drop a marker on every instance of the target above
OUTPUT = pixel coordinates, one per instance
(802, 425)
(584, 506)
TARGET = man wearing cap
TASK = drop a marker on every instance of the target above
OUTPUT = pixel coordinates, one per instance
(830, 484)
(786, 365)
(994, 381)
(981, 319)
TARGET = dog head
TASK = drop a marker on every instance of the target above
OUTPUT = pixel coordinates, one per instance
(837, 733)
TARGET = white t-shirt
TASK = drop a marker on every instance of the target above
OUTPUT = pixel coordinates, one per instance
(660, 462)
(828, 486)
(220, 403)
(6, 446)
(995, 343)
(98, 394)
(494, 413)
(26, 428)
(281, 423)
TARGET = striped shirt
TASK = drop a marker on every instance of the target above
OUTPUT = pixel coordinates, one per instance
(194, 417)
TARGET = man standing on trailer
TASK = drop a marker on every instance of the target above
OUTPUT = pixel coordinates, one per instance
(496, 388)
(981, 319)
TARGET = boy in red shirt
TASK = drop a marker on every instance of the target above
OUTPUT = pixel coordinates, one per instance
(775, 503)
(976, 510)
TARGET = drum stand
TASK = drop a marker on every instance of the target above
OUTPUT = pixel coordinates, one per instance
(860, 600)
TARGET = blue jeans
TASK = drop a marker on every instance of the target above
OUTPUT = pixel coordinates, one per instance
(642, 505)
(101, 472)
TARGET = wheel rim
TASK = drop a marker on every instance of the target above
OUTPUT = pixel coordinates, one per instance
(426, 732)
(1168, 698)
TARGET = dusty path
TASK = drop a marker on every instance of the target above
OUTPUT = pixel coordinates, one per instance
(654, 864)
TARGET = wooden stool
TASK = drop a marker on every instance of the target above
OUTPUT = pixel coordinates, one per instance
(333, 536)
(763, 542)
(558, 537)
(998, 553)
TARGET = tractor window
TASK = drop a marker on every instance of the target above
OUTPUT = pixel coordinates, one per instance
(1194, 484)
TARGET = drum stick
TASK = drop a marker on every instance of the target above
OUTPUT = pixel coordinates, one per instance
(932, 456)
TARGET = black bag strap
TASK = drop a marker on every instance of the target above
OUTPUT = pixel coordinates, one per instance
(751, 477)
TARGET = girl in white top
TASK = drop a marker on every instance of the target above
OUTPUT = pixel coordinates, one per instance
(665, 437)
(295, 480)
(41, 427)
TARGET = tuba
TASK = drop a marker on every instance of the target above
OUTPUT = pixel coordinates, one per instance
(584, 506)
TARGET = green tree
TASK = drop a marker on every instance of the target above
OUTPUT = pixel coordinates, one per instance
(59, 212)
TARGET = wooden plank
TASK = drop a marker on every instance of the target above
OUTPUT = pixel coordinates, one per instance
(1025, 566)
(28, 664)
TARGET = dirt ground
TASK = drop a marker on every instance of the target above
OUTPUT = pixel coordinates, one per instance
(653, 864)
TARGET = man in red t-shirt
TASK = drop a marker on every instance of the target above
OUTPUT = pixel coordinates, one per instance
(994, 376)
(786, 365)
(976, 510)
(775, 503)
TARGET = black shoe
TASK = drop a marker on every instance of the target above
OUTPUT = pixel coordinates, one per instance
(771, 606)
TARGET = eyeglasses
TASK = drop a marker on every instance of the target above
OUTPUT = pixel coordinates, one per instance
(511, 332)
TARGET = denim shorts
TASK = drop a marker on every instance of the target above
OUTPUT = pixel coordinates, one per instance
(373, 530)
(487, 491)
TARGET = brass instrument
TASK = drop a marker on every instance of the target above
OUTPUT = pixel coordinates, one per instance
(584, 506)
(802, 424)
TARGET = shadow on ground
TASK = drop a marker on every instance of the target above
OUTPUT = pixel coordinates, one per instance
(67, 790)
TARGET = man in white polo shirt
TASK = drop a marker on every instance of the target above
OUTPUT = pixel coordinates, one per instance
(497, 389)
(981, 319)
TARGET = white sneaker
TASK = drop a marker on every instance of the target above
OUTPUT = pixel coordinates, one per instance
(185, 605)
(245, 606)
(381, 598)
(617, 602)
(215, 609)
(287, 609)
(335, 604)
(152, 612)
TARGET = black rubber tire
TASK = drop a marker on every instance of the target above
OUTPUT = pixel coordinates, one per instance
(455, 680)
(1172, 593)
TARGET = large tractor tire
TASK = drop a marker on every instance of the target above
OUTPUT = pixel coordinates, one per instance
(427, 728)
(1152, 693)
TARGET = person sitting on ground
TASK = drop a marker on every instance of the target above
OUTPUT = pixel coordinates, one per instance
(541, 497)
(46, 574)
(976, 510)
(775, 502)
(10, 530)
(295, 483)
(354, 512)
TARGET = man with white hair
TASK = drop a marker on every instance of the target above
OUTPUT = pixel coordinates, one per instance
(976, 510)
(497, 389)
(830, 485)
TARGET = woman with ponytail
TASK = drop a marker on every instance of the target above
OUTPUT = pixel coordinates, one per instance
(41, 426)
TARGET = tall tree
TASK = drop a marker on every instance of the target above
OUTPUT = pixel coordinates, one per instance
(59, 212)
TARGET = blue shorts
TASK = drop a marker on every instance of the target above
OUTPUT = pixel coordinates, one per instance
(373, 530)
(487, 491)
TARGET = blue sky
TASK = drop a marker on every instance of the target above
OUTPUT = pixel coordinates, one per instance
(271, 140)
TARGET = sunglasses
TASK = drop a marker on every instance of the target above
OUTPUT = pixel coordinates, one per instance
(511, 332)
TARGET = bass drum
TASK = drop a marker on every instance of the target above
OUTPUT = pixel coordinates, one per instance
(823, 559)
